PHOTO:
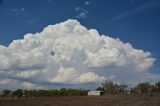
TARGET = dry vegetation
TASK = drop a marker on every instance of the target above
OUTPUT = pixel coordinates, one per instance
(110, 100)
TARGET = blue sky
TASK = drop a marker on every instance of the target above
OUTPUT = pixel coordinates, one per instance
(133, 21)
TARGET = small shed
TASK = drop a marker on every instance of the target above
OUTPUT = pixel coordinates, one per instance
(95, 93)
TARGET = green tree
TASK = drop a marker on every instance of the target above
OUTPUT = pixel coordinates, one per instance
(144, 87)
(113, 88)
(157, 86)
(7, 93)
(18, 93)
(122, 88)
(133, 90)
(100, 88)
(108, 86)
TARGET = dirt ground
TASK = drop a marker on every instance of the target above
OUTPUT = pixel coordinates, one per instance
(111, 100)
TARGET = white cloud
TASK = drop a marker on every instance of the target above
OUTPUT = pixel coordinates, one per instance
(28, 85)
(22, 9)
(49, 1)
(14, 10)
(82, 15)
(73, 76)
(90, 77)
(87, 3)
(82, 12)
(78, 8)
(32, 21)
(4, 81)
(69, 53)
(18, 10)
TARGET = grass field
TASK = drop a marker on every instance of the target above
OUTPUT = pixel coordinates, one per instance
(112, 100)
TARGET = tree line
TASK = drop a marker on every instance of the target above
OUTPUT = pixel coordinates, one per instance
(44, 93)
(108, 87)
(146, 88)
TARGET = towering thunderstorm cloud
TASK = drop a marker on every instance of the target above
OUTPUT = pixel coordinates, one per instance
(69, 53)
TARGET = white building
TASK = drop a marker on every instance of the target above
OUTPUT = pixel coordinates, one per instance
(95, 93)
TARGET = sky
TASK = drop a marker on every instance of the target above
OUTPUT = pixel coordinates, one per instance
(78, 43)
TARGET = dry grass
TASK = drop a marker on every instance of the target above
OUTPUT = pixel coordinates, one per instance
(112, 100)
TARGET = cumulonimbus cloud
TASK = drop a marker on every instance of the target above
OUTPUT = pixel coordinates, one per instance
(66, 53)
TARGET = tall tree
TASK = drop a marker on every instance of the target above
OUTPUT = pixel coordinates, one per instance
(7, 92)
(18, 93)
(144, 87)
(157, 85)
